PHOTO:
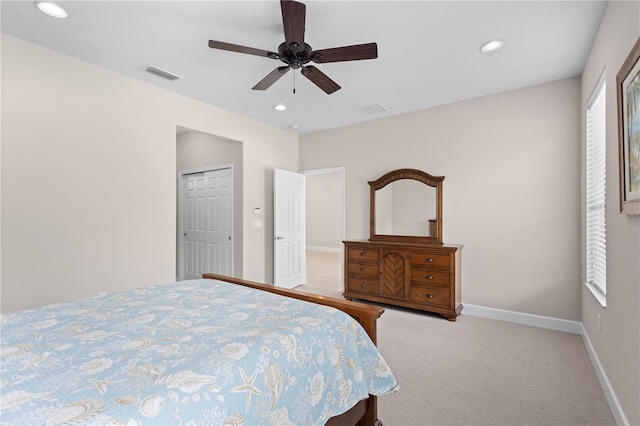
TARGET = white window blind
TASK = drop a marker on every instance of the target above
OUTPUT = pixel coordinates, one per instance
(596, 240)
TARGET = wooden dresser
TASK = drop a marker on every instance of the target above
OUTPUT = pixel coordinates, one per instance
(412, 275)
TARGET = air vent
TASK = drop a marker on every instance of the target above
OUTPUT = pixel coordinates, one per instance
(161, 73)
(373, 109)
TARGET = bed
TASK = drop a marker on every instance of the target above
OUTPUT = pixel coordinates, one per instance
(217, 351)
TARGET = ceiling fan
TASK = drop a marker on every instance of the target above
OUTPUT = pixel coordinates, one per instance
(295, 53)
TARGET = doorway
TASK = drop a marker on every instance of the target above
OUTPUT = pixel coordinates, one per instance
(325, 215)
(198, 151)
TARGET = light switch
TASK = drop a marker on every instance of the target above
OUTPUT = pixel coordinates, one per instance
(257, 210)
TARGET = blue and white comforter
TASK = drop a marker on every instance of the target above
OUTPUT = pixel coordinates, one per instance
(193, 352)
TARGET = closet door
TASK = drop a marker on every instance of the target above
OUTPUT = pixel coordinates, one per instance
(208, 222)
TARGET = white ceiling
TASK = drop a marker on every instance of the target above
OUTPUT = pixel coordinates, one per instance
(428, 51)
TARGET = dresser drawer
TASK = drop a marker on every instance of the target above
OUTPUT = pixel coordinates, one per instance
(366, 268)
(430, 259)
(362, 284)
(430, 295)
(362, 253)
(430, 277)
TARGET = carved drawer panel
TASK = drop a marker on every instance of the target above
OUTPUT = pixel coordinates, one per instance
(365, 268)
(361, 253)
(430, 295)
(362, 284)
(430, 277)
(430, 259)
(394, 274)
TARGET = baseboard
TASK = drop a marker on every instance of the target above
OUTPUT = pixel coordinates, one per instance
(557, 324)
(320, 248)
(610, 395)
(550, 323)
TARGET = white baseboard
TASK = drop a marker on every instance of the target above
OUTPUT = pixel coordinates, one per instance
(550, 323)
(557, 324)
(610, 395)
(320, 248)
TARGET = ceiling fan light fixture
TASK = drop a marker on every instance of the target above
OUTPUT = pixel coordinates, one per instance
(51, 9)
(280, 107)
(492, 46)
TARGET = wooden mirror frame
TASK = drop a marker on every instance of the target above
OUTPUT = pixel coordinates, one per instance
(392, 176)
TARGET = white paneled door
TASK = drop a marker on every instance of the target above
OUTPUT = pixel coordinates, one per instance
(207, 222)
(289, 231)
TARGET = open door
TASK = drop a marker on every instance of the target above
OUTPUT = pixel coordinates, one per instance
(289, 229)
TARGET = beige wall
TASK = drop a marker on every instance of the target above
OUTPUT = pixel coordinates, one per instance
(98, 152)
(618, 342)
(324, 210)
(197, 151)
(511, 191)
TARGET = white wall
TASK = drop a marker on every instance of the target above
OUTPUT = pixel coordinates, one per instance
(98, 152)
(197, 151)
(511, 163)
(618, 342)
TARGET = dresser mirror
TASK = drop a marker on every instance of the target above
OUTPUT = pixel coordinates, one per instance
(406, 205)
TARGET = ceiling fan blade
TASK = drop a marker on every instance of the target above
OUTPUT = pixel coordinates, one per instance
(293, 20)
(346, 53)
(318, 78)
(241, 49)
(271, 78)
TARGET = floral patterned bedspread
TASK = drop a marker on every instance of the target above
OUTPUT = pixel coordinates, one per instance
(193, 352)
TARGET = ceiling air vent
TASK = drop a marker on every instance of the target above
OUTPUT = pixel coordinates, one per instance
(161, 73)
(373, 109)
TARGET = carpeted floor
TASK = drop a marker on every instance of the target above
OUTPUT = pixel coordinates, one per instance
(324, 271)
(477, 371)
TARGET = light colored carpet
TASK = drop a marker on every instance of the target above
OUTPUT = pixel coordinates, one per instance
(477, 371)
(324, 270)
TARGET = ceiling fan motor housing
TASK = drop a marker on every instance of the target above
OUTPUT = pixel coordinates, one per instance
(294, 56)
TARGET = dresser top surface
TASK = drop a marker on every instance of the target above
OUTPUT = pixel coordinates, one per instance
(407, 244)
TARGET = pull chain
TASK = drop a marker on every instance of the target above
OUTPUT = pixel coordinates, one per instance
(294, 82)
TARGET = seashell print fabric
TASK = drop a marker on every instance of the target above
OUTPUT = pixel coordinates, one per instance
(193, 352)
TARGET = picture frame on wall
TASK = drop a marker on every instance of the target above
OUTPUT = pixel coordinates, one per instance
(628, 89)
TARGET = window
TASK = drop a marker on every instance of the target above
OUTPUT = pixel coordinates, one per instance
(596, 250)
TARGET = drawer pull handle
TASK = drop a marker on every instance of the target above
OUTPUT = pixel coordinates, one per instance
(429, 295)
(363, 285)
(429, 277)
(363, 253)
(429, 259)
(363, 269)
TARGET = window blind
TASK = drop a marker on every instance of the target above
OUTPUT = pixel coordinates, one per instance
(596, 240)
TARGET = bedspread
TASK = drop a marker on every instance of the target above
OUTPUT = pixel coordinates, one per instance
(193, 352)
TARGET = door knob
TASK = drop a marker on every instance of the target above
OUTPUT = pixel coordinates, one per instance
(277, 237)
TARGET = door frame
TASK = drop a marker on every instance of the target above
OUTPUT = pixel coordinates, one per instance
(180, 219)
(342, 171)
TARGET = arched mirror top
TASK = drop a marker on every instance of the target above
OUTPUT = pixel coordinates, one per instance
(407, 210)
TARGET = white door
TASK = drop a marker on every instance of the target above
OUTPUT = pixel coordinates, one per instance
(289, 233)
(208, 223)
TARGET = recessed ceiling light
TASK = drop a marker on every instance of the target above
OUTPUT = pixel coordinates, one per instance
(279, 107)
(51, 9)
(294, 126)
(492, 46)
